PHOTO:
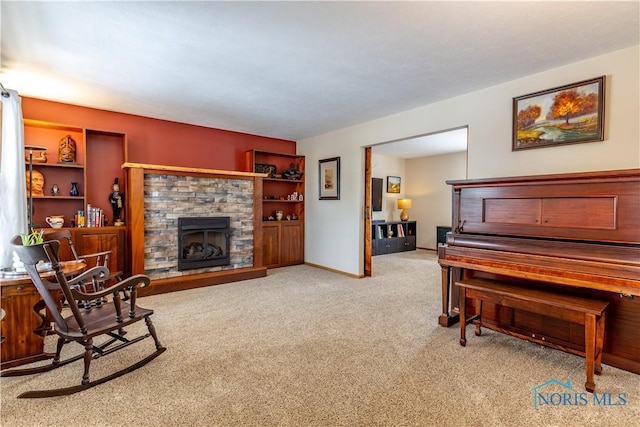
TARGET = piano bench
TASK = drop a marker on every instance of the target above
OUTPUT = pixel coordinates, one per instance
(579, 310)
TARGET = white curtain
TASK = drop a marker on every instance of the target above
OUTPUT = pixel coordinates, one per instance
(13, 191)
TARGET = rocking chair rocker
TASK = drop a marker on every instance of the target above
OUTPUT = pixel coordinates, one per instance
(87, 320)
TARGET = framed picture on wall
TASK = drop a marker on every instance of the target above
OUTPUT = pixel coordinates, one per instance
(393, 184)
(329, 178)
(568, 114)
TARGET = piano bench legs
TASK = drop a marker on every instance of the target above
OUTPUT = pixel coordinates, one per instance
(587, 312)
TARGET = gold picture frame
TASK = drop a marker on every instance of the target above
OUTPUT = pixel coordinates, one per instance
(568, 114)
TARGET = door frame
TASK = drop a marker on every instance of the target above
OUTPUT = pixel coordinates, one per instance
(367, 211)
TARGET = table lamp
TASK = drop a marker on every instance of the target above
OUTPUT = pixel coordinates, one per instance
(404, 204)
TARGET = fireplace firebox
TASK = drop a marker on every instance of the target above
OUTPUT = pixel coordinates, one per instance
(203, 242)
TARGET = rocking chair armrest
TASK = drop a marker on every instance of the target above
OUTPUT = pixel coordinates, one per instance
(127, 284)
(95, 255)
(98, 272)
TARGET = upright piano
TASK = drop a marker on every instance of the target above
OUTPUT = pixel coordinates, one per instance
(576, 233)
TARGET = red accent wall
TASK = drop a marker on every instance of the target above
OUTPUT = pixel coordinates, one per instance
(161, 142)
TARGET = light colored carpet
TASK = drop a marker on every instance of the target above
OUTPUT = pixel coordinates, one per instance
(307, 347)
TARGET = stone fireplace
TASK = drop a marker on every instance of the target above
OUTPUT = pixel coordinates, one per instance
(162, 198)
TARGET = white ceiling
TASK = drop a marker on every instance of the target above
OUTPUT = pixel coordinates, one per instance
(436, 144)
(292, 70)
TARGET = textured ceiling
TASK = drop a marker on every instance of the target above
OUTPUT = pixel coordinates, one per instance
(292, 70)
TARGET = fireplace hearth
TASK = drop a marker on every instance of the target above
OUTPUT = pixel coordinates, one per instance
(203, 242)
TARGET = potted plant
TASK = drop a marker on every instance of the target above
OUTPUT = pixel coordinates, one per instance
(33, 238)
(28, 239)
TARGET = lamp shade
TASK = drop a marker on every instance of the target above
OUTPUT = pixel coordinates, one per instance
(404, 203)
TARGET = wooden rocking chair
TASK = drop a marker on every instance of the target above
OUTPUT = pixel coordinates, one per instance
(92, 260)
(87, 320)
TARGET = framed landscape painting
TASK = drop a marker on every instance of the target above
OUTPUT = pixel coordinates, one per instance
(393, 184)
(329, 171)
(564, 115)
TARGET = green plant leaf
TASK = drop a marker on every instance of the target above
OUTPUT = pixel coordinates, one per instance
(33, 238)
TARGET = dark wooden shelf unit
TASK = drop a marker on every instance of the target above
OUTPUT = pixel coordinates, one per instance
(391, 237)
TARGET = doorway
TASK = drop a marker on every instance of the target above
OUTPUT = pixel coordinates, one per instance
(389, 159)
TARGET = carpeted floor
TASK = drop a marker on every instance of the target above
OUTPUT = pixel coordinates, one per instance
(307, 347)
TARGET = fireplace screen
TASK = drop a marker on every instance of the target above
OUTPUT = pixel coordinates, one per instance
(203, 242)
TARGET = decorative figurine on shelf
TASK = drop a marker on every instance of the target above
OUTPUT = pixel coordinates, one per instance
(116, 198)
(74, 190)
(67, 150)
(40, 158)
(36, 183)
(292, 172)
(55, 190)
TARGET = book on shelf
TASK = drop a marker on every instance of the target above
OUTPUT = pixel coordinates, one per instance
(400, 230)
(379, 234)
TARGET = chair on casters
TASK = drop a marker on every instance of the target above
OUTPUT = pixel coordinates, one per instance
(87, 321)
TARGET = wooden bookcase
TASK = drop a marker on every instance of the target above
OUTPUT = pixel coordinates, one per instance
(282, 241)
(390, 237)
(99, 157)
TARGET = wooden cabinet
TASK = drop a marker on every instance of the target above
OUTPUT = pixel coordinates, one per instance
(282, 243)
(271, 244)
(291, 242)
(282, 240)
(22, 304)
(89, 240)
(99, 239)
(25, 324)
(98, 159)
(391, 237)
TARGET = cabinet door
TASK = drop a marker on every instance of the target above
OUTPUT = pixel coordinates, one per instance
(270, 245)
(24, 310)
(410, 243)
(99, 241)
(383, 246)
(291, 243)
(396, 244)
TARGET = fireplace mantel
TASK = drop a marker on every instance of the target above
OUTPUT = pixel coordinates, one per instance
(179, 170)
(136, 198)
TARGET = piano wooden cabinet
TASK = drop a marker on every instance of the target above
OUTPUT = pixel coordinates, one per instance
(577, 233)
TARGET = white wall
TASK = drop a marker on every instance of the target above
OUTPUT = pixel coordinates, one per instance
(382, 167)
(429, 193)
(334, 229)
(424, 182)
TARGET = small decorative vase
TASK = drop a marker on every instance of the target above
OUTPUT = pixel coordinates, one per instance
(74, 189)
(279, 215)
